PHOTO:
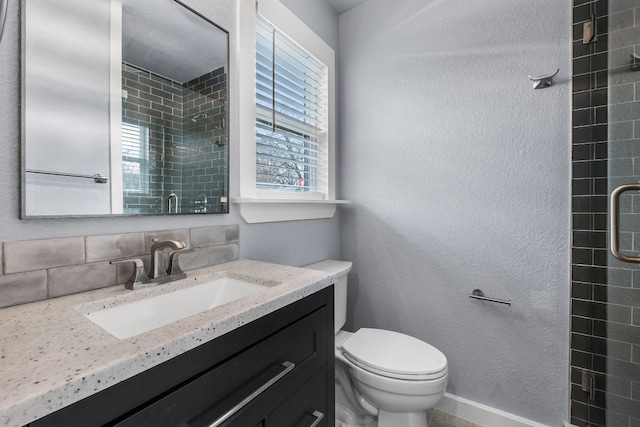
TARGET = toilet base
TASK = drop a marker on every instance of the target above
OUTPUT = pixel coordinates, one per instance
(405, 419)
(347, 417)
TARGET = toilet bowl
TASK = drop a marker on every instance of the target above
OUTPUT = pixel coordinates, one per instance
(381, 375)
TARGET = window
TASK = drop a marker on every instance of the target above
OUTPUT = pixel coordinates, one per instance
(135, 164)
(291, 116)
(286, 130)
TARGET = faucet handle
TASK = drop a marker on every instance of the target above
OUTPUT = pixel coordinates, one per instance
(174, 265)
(156, 243)
(138, 271)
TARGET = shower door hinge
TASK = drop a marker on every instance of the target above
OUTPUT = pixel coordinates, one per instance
(588, 384)
(589, 31)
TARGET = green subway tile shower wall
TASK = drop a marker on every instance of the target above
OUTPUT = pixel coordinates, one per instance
(181, 142)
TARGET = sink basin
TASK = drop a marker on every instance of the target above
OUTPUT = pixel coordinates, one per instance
(131, 319)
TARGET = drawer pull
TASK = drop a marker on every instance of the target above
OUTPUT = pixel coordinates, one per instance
(319, 416)
(288, 368)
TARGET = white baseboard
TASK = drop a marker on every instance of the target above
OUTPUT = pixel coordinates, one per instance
(481, 414)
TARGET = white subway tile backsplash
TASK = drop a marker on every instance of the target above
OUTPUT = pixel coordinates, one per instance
(197, 259)
(210, 236)
(31, 255)
(232, 233)
(80, 278)
(35, 270)
(113, 246)
(223, 253)
(206, 236)
(22, 288)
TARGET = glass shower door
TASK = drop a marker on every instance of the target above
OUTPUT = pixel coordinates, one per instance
(605, 293)
(621, 294)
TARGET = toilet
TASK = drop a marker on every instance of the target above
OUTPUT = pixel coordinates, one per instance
(383, 377)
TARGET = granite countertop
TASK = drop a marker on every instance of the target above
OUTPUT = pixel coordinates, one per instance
(51, 355)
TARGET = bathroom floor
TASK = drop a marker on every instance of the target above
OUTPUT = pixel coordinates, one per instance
(438, 418)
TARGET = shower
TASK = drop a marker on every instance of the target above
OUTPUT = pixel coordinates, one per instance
(605, 294)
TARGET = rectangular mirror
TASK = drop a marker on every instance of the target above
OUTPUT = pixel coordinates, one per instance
(125, 109)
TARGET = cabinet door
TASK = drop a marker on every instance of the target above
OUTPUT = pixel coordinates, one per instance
(217, 391)
(306, 407)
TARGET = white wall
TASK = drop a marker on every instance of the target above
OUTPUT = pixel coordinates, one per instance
(459, 173)
(67, 116)
(256, 242)
(319, 16)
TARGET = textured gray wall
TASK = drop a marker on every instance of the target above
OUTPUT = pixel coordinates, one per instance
(256, 241)
(460, 176)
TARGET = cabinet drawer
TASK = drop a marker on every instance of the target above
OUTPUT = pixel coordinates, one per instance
(305, 407)
(299, 407)
(210, 395)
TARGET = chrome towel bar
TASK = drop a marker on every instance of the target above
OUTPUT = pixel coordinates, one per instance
(478, 294)
(635, 62)
(98, 178)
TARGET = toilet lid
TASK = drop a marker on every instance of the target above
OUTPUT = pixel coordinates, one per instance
(394, 354)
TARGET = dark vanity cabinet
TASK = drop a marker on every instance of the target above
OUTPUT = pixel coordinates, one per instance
(277, 371)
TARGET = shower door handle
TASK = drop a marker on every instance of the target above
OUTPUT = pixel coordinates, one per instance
(614, 222)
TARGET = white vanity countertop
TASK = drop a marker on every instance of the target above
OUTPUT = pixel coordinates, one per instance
(51, 355)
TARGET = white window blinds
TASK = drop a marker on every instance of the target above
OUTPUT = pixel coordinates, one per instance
(291, 115)
(135, 149)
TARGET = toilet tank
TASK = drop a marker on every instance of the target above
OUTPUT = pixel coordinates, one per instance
(340, 269)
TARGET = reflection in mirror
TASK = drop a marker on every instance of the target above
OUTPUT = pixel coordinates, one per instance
(125, 109)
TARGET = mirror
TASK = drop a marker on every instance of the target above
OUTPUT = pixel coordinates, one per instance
(125, 109)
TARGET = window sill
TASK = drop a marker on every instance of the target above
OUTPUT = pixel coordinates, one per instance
(255, 211)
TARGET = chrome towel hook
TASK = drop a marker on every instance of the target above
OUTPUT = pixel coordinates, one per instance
(4, 4)
(541, 82)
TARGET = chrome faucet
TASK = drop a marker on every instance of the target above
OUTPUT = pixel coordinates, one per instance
(157, 271)
(172, 197)
(157, 268)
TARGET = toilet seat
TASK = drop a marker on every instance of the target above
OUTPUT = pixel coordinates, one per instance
(395, 355)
